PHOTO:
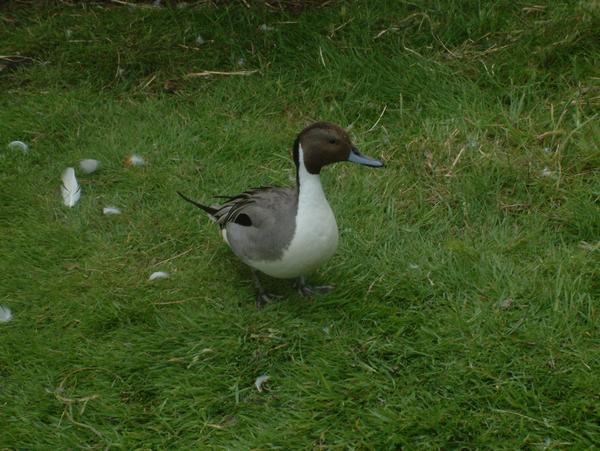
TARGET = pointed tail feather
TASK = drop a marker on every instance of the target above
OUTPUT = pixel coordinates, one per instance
(211, 211)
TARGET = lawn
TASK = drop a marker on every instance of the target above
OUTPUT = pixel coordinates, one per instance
(466, 308)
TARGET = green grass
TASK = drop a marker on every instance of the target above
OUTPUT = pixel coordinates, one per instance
(466, 307)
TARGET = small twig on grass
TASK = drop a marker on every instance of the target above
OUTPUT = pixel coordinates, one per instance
(197, 49)
(533, 9)
(516, 206)
(9, 62)
(423, 18)
(119, 71)
(15, 58)
(148, 83)
(321, 55)
(61, 386)
(181, 254)
(378, 119)
(382, 32)
(74, 400)
(510, 412)
(449, 173)
(69, 402)
(378, 279)
(169, 302)
(208, 73)
(397, 27)
(544, 135)
(83, 425)
(340, 27)
(133, 5)
(414, 52)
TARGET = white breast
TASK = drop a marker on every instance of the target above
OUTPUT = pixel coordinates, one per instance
(316, 235)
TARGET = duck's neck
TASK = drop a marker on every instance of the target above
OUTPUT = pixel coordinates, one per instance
(308, 185)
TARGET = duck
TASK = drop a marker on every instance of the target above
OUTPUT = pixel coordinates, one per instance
(288, 232)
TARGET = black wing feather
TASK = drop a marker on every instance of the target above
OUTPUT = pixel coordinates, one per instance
(211, 211)
(231, 210)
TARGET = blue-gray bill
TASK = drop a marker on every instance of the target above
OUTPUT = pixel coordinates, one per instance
(357, 157)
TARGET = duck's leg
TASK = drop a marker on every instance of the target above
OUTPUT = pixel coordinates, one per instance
(262, 296)
(310, 290)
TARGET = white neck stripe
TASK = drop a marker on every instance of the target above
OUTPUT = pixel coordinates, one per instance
(308, 183)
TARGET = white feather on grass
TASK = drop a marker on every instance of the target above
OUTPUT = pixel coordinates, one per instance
(159, 275)
(260, 380)
(71, 191)
(265, 27)
(111, 211)
(547, 172)
(5, 314)
(88, 166)
(135, 160)
(18, 145)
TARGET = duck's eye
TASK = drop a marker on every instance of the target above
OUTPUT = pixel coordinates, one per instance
(332, 140)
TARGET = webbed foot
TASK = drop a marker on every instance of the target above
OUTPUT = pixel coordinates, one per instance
(263, 297)
(311, 290)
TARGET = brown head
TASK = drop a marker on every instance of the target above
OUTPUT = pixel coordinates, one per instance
(325, 143)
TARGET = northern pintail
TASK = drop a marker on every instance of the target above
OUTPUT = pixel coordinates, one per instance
(288, 232)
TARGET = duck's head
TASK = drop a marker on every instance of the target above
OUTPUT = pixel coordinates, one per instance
(324, 143)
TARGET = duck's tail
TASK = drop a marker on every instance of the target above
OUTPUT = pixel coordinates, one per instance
(210, 210)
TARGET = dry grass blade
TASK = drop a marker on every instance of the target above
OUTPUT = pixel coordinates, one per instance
(378, 119)
(450, 173)
(133, 5)
(10, 62)
(83, 425)
(208, 73)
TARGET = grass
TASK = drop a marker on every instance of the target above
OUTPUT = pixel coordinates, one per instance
(466, 307)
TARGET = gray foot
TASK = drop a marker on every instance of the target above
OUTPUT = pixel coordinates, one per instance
(311, 290)
(262, 298)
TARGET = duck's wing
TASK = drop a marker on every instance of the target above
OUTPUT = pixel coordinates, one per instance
(255, 207)
(231, 211)
(260, 223)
